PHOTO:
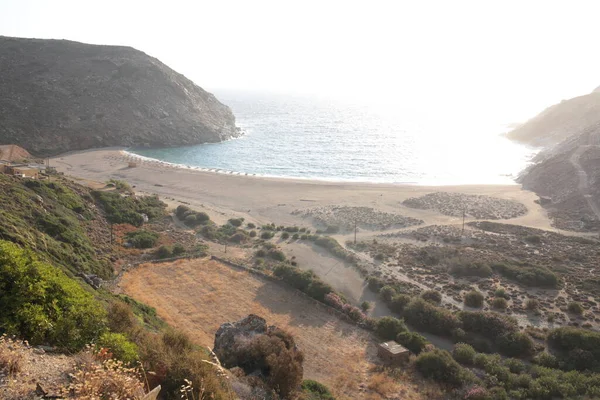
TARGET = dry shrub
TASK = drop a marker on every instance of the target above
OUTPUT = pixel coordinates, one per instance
(172, 359)
(121, 318)
(99, 377)
(11, 360)
(382, 384)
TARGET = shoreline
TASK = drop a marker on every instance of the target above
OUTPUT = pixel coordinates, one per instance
(273, 199)
(129, 153)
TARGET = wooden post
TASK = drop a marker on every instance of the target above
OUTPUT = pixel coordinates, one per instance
(354, 231)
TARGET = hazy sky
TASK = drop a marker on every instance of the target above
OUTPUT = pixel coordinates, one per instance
(508, 58)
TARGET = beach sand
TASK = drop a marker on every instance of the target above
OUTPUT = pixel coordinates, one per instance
(264, 200)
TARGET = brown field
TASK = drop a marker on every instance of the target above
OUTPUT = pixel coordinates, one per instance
(197, 296)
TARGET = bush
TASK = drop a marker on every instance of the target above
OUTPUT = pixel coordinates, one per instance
(142, 239)
(546, 359)
(181, 210)
(267, 235)
(252, 234)
(399, 302)
(499, 303)
(285, 236)
(295, 236)
(277, 255)
(572, 341)
(237, 222)
(365, 306)
(251, 225)
(488, 324)
(528, 275)
(260, 253)
(474, 299)
(313, 390)
(178, 250)
(460, 267)
(238, 237)
(516, 344)
(41, 304)
(274, 356)
(501, 292)
(120, 317)
(532, 304)
(441, 367)
(387, 293)
(306, 281)
(464, 353)
(412, 341)
(164, 252)
(430, 318)
(121, 348)
(575, 308)
(432, 296)
(388, 328)
(129, 209)
(515, 366)
(375, 284)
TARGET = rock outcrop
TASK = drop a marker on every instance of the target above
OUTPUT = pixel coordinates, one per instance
(59, 96)
(560, 121)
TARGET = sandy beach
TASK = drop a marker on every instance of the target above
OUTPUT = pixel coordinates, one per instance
(279, 200)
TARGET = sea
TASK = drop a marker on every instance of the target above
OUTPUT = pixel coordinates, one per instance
(309, 137)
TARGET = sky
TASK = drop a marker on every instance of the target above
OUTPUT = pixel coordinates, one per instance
(479, 58)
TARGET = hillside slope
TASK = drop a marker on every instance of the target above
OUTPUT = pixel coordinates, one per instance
(569, 175)
(59, 96)
(560, 121)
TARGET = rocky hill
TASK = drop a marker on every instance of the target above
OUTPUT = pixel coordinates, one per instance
(567, 176)
(59, 96)
(560, 121)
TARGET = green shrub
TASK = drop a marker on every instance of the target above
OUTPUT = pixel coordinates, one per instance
(577, 343)
(313, 390)
(441, 367)
(388, 328)
(460, 267)
(251, 225)
(432, 296)
(142, 239)
(285, 236)
(499, 303)
(164, 252)
(295, 236)
(546, 359)
(277, 255)
(501, 292)
(306, 281)
(464, 353)
(375, 283)
(237, 222)
(181, 210)
(412, 341)
(267, 235)
(129, 209)
(474, 299)
(387, 293)
(516, 344)
(528, 275)
(252, 234)
(488, 324)
(515, 366)
(121, 348)
(239, 237)
(178, 250)
(365, 306)
(399, 302)
(333, 247)
(575, 308)
(40, 303)
(260, 253)
(430, 318)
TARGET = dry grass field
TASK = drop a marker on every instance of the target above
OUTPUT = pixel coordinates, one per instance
(197, 296)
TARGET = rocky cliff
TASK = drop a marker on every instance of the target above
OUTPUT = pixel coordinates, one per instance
(560, 121)
(59, 96)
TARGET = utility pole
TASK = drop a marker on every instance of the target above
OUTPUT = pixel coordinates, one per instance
(225, 243)
(111, 233)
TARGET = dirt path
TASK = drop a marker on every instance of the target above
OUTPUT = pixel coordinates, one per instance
(584, 187)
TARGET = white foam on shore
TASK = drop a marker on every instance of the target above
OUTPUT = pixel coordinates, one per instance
(135, 156)
(131, 155)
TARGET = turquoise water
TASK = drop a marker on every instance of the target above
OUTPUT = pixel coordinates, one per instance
(301, 137)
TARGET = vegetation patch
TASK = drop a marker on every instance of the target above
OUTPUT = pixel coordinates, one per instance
(142, 239)
(528, 275)
(128, 209)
